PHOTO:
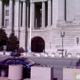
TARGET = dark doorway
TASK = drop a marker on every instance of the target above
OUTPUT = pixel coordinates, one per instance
(37, 44)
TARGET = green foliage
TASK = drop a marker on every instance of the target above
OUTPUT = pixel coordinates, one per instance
(13, 43)
(3, 39)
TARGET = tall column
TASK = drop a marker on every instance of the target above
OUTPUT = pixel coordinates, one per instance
(70, 10)
(61, 12)
(24, 14)
(43, 14)
(20, 22)
(16, 14)
(27, 14)
(11, 13)
(32, 16)
(77, 11)
(31, 24)
(0, 13)
(49, 12)
(54, 13)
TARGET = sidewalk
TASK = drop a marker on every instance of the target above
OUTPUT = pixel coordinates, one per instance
(6, 78)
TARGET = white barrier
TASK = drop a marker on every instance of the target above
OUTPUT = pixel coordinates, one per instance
(7, 53)
(60, 55)
(78, 55)
(53, 55)
(24, 54)
(69, 55)
(38, 55)
(46, 55)
(1, 52)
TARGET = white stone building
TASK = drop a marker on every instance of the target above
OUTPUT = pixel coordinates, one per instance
(47, 20)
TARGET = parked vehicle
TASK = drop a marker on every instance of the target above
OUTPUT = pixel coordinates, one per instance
(78, 63)
(27, 63)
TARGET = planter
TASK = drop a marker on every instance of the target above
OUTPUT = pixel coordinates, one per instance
(15, 72)
(71, 73)
(41, 73)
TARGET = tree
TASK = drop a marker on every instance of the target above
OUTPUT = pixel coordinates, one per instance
(3, 38)
(13, 43)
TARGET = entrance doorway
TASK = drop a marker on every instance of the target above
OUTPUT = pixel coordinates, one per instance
(37, 44)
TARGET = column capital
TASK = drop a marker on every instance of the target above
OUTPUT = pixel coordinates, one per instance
(24, 1)
(16, 0)
(31, 2)
(43, 1)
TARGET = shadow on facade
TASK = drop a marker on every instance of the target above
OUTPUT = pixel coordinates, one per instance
(37, 44)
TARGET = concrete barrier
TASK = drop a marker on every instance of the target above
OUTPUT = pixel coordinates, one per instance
(1, 52)
(15, 72)
(7, 53)
(69, 55)
(71, 74)
(60, 55)
(41, 73)
(78, 55)
(52, 54)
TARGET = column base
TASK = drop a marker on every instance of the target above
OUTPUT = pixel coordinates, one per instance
(42, 28)
(61, 22)
(49, 27)
(76, 21)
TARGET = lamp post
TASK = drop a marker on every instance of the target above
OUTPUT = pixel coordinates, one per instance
(77, 42)
(62, 36)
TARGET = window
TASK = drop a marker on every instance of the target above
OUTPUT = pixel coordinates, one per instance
(7, 22)
(7, 12)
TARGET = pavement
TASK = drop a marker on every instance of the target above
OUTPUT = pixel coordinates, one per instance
(6, 78)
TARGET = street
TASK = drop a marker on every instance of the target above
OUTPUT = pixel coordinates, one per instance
(58, 64)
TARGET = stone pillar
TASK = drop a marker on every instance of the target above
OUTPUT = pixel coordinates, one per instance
(0, 13)
(43, 14)
(61, 13)
(32, 16)
(20, 13)
(24, 14)
(27, 14)
(49, 12)
(70, 10)
(10, 13)
(16, 15)
(77, 11)
(54, 13)
(31, 24)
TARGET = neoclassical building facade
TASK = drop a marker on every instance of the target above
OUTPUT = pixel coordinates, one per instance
(52, 24)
